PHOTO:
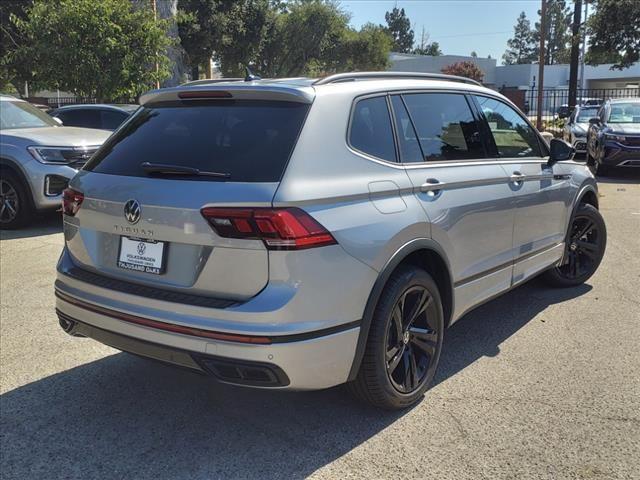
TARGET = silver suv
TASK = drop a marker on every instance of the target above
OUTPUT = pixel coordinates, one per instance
(37, 158)
(302, 233)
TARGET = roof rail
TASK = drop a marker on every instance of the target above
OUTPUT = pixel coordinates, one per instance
(352, 77)
(207, 81)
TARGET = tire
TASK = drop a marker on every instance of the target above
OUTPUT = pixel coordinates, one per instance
(415, 352)
(585, 247)
(596, 167)
(16, 210)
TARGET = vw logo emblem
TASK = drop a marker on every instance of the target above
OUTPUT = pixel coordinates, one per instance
(141, 248)
(132, 211)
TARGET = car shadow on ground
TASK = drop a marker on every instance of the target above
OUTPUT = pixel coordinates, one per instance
(125, 417)
(43, 224)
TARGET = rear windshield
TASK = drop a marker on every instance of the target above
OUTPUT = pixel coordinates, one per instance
(251, 141)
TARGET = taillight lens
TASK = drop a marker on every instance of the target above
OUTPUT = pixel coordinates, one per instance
(71, 201)
(279, 228)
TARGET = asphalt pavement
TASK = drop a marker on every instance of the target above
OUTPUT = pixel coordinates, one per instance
(539, 383)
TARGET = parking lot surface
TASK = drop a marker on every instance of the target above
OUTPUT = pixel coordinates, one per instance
(539, 383)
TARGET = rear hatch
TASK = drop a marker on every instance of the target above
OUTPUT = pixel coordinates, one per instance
(140, 219)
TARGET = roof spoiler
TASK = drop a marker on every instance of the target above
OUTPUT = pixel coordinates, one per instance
(229, 91)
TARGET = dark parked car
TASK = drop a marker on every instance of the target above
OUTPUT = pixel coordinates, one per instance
(102, 116)
(613, 139)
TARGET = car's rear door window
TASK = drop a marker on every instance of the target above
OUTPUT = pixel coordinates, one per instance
(513, 136)
(251, 141)
(410, 151)
(371, 131)
(81, 117)
(445, 125)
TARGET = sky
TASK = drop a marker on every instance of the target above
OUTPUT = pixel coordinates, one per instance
(459, 26)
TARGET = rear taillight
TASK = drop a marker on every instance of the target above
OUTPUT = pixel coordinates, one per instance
(279, 228)
(71, 201)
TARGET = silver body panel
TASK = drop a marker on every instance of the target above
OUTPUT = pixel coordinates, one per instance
(494, 231)
(14, 154)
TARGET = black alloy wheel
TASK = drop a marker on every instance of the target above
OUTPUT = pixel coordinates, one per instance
(584, 250)
(412, 340)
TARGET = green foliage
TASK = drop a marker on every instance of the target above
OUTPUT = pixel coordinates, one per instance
(399, 27)
(464, 69)
(558, 33)
(615, 33)
(106, 49)
(313, 38)
(199, 28)
(240, 40)
(522, 46)
(12, 71)
(432, 49)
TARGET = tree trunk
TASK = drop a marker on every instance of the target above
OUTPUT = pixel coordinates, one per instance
(195, 72)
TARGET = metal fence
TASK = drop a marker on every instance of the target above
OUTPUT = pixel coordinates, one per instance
(54, 102)
(555, 102)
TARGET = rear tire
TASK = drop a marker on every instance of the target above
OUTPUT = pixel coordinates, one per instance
(15, 204)
(404, 343)
(584, 249)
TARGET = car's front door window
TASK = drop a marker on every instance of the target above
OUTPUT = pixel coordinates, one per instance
(513, 136)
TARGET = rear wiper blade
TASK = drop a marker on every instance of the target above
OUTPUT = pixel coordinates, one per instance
(167, 169)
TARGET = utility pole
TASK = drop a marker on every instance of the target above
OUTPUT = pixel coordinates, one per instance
(584, 44)
(155, 17)
(575, 54)
(543, 28)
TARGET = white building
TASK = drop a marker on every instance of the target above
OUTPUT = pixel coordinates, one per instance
(521, 76)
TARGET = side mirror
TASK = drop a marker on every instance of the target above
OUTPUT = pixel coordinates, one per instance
(594, 121)
(57, 120)
(560, 151)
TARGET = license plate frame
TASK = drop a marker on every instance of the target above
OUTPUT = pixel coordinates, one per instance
(150, 260)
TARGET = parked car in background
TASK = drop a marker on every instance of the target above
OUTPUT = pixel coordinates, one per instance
(38, 156)
(564, 111)
(575, 130)
(102, 116)
(613, 138)
(303, 233)
(44, 108)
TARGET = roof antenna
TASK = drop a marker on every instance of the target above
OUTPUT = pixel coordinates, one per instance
(250, 76)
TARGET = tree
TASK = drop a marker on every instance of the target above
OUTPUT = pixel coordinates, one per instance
(615, 33)
(367, 49)
(399, 27)
(199, 27)
(464, 69)
(241, 38)
(106, 49)
(474, 54)
(432, 49)
(522, 46)
(558, 33)
(12, 72)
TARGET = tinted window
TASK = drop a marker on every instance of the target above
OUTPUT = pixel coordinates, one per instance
(80, 118)
(512, 134)
(446, 127)
(371, 129)
(250, 140)
(407, 139)
(111, 119)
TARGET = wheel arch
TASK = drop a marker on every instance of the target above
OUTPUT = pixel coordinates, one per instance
(424, 253)
(6, 164)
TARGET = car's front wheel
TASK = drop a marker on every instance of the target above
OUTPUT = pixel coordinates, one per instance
(585, 246)
(404, 343)
(15, 208)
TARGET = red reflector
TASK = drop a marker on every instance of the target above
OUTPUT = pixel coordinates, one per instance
(279, 228)
(200, 94)
(71, 201)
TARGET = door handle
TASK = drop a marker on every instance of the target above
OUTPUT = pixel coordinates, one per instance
(431, 186)
(517, 177)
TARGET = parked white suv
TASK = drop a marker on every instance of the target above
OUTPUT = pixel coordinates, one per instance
(38, 157)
